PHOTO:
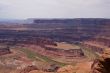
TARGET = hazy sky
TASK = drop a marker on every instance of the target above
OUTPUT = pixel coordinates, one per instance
(54, 9)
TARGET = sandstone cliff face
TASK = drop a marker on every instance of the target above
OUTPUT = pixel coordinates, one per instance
(102, 65)
(70, 53)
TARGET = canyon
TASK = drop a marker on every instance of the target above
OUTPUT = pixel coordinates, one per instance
(47, 42)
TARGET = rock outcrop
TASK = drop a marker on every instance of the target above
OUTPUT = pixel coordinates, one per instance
(102, 65)
(28, 69)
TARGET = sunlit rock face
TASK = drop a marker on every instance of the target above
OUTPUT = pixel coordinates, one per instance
(102, 65)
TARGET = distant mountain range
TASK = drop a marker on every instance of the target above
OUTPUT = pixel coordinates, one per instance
(75, 21)
(13, 21)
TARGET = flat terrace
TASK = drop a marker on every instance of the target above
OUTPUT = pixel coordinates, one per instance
(64, 45)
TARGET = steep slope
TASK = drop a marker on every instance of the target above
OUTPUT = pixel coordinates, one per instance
(102, 65)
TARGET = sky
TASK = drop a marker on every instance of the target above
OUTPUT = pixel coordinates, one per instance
(22, 9)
